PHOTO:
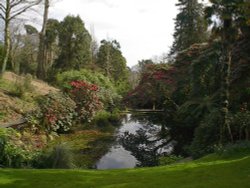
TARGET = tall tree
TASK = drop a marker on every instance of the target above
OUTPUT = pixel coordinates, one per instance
(74, 44)
(42, 57)
(9, 10)
(111, 60)
(229, 14)
(190, 26)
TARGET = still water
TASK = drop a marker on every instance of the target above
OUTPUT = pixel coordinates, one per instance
(138, 143)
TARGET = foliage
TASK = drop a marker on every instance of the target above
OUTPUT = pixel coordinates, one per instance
(30, 30)
(13, 152)
(156, 84)
(63, 79)
(190, 27)
(87, 101)
(74, 44)
(107, 91)
(241, 124)
(111, 60)
(24, 52)
(231, 149)
(57, 112)
(206, 136)
(113, 64)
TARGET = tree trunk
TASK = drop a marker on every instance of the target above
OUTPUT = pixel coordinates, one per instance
(225, 85)
(154, 106)
(107, 68)
(6, 38)
(42, 57)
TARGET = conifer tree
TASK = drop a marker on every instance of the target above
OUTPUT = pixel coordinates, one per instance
(190, 26)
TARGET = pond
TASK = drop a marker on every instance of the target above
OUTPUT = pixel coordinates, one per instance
(140, 141)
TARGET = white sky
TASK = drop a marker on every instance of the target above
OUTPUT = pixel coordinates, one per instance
(144, 28)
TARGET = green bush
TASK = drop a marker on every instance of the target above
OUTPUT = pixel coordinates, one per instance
(240, 124)
(234, 148)
(57, 112)
(13, 152)
(206, 136)
(107, 91)
(63, 79)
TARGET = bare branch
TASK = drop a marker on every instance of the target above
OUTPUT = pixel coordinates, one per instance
(2, 9)
(24, 9)
(15, 3)
(1, 5)
(2, 17)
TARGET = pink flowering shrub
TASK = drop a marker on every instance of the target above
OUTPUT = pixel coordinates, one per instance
(86, 97)
(57, 112)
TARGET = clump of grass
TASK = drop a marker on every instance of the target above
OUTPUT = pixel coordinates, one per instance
(21, 87)
(58, 157)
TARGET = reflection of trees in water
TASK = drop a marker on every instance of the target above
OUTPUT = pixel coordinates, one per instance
(149, 142)
(147, 119)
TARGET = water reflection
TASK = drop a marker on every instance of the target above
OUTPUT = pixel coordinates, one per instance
(141, 140)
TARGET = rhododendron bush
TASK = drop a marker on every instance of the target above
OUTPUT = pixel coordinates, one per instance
(86, 97)
(57, 112)
(156, 82)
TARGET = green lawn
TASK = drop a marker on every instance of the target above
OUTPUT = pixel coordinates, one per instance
(210, 172)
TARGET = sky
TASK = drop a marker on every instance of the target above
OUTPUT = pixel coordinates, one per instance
(144, 28)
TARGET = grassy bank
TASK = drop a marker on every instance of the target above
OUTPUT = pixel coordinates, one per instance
(212, 171)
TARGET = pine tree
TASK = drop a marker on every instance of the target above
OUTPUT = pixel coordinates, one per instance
(190, 26)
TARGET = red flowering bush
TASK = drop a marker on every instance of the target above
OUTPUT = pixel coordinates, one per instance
(57, 112)
(86, 97)
(156, 82)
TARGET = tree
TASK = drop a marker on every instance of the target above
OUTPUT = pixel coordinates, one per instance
(74, 44)
(190, 26)
(42, 53)
(143, 64)
(9, 10)
(111, 60)
(155, 86)
(229, 14)
(24, 48)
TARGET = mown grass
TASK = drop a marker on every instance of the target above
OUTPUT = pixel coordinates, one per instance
(212, 172)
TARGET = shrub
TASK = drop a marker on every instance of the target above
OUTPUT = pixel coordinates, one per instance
(13, 152)
(234, 148)
(57, 112)
(87, 101)
(206, 136)
(64, 79)
(241, 124)
(107, 90)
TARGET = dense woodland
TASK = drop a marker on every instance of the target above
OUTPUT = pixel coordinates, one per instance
(202, 85)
